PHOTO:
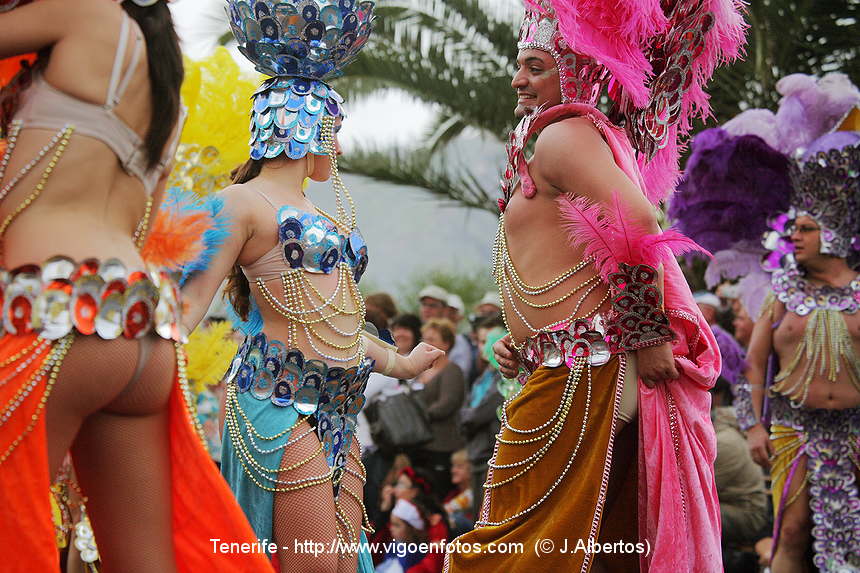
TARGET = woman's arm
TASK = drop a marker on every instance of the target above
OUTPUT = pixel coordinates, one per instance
(44, 23)
(202, 287)
(390, 363)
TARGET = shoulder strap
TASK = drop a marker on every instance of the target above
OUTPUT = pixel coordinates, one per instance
(263, 195)
(118, 85)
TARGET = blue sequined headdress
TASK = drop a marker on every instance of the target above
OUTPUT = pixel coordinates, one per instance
(301, 45)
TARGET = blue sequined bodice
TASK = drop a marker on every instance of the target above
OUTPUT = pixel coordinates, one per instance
(313, 242)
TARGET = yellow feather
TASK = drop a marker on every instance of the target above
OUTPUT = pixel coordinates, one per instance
(210, 350)
(214, 141)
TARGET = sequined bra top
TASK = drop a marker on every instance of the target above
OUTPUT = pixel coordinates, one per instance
(311, 242)
(45, 107)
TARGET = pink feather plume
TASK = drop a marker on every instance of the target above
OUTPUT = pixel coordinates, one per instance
(610, 235)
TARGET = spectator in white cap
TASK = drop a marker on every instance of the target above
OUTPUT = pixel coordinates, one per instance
(408, 530)
(463, 352)
(434, 302)
(489, 305)
(709, 304)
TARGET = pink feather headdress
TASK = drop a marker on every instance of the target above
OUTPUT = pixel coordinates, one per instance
(651, 58)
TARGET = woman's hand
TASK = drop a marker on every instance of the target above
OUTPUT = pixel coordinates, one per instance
(760, 446)
(386, 498)
(422, 358)
(656, 364)
(506, 356)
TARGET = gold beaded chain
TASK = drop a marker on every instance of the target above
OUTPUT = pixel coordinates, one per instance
(55, 359)
(365, 525)
(139, 236)
(40, 186)
(340, 190)
(244, 454)
(513, 287)
(292, 300)
(231, 398)
(187, 394)
(579, 367)
(21, 353)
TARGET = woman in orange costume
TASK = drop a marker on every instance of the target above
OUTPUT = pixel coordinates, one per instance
(90, 360)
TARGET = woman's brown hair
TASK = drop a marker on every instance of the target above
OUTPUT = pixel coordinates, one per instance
(166, 73)
(444, 327)
(238, 290)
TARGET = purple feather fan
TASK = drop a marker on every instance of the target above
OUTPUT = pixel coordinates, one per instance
(732, 354)
(811, 107)
(730, 188)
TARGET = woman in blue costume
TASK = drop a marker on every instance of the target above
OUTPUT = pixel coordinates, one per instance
(296, 384)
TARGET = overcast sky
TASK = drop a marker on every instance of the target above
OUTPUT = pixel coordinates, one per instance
(407, 230)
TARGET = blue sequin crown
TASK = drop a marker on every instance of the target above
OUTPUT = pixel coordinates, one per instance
(312, 39)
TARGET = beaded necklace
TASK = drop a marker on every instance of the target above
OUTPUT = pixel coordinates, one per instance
(302, 303)
(826, 348)
(516, 291)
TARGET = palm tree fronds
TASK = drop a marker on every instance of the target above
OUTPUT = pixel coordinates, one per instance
(420, 169)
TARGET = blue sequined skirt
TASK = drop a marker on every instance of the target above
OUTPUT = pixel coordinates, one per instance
(269, 387)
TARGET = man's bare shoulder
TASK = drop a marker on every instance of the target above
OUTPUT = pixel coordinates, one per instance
(573, 145)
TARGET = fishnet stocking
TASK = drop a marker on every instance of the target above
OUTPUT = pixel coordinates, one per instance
(308, 514)
(116, 425)
(350, 506)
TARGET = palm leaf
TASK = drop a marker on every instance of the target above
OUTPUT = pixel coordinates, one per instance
(421, 169)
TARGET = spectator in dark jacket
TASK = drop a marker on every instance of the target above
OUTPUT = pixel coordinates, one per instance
(479, 421)
(442, 390)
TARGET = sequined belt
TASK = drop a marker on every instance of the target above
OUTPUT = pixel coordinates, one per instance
(332, 395)
(814, 420)
(584, 337)
(92, 297)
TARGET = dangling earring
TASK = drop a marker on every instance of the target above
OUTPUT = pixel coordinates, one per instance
(310, 165)
(340, 190)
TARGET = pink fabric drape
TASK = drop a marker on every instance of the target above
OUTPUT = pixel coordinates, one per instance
(679, 512)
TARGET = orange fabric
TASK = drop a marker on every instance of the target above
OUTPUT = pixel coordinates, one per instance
(27, 539)
(10, 66)
(566, 516)
(203, 506)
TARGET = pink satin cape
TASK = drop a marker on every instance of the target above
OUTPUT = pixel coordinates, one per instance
(679, 512)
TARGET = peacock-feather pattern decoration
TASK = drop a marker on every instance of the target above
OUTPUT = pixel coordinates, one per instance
(301, 46)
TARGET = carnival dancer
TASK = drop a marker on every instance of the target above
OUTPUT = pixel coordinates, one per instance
(809, 396)
(90, 360)
(743, 182)
(296, 384)
(595, 301)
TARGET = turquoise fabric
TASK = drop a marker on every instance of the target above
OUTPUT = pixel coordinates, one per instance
(365, 561)
(268, 420)
(481, 387)
(257, 503)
